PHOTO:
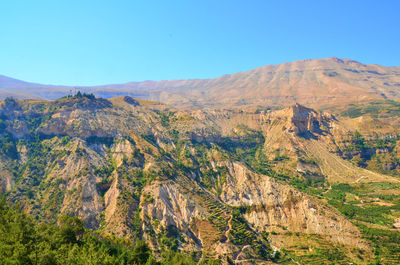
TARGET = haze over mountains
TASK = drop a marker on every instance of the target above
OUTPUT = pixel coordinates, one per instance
(319, 82)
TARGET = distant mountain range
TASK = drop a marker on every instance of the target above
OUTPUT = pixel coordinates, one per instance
(319, 82)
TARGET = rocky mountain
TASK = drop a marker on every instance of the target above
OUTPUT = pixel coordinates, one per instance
(317, 83)
(244, 187)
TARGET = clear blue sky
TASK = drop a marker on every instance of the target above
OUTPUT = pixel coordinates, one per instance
(82, 42)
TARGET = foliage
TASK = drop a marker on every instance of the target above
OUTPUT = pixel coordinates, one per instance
(166, 118)
(240, 233)
(370, 213)
(150, 138)
(385, 243)
(8, 146)
(375, 109)
(108, 141)
(244, 145)
(24, 241)
(377, 154)
(79, 94)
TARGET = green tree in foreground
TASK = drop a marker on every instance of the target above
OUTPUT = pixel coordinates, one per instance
(25, 241)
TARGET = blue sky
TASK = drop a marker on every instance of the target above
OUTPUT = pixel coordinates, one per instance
(83, 42)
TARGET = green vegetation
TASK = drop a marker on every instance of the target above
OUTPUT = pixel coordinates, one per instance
(240, 233)
(386, 244)
(322, 251)
(8, 146)
(244, 145)
(200, 168)
(25, 241)
(150, 138)
(376, 154)
(214, 178)
(166, 118)
(359, 202)
(218, 215)
(108, 141)
(377, 109)
(79, 94)
(373, 212)
(10, 102)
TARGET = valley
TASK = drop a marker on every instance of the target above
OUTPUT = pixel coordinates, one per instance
(243, 186)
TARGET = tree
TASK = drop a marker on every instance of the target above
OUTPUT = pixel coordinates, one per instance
(71, 230)
(140, 252)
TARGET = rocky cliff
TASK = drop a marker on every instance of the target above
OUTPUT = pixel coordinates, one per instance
(211, 183)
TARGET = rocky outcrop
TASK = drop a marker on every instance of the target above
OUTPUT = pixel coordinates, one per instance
(6, 178)
(82, 198)
(274, 206)
(165, 206)
(271, 206)
(302, 120)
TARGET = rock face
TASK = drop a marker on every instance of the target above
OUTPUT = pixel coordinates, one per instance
(170, 208)
(308, 120)
(312, 139)
(203, 181)
(303, 120)
(6, 179)
(277, 205)
(271, 207)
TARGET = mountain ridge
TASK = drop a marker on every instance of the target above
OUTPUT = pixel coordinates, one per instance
(312, 82)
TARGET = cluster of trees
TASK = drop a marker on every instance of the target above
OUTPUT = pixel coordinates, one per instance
(7, 146)
(79, 94)
(25, 241)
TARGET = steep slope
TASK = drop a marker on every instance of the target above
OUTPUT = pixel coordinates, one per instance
(314, 140)
(211, 183)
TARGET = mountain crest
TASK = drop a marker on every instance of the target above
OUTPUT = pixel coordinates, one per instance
(314, 82)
